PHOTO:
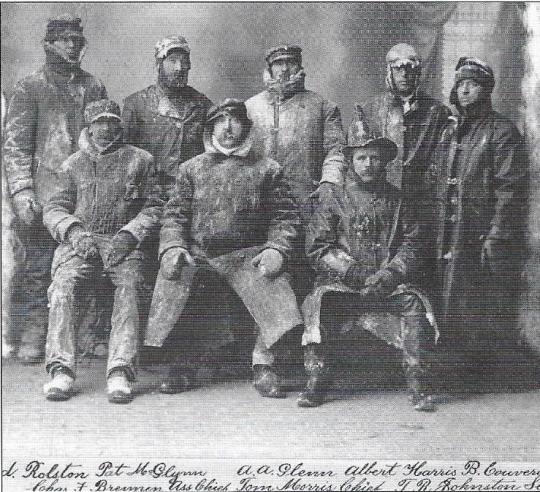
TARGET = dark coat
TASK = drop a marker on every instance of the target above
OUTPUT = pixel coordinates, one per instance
(303, 132)
(172, 131)
(104, 192)
(44, 121)
(478, 187)
(416, 133)
(377, 229)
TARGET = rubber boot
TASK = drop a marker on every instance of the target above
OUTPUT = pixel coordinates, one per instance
(319, 380)
(179, 380)
(32, 346)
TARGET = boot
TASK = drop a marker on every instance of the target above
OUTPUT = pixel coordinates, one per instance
(32, 346)
(266, 382)
(119, 387)
(60, 388)
(179, 380)
(319, 380)
(420, 398)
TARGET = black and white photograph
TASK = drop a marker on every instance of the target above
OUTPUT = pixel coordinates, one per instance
(270, 246)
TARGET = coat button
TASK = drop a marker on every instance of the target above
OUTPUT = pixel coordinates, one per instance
(179, 125)
(453, 218)
(452, 181)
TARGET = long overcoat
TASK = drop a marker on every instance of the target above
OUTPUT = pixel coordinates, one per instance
(478, 185)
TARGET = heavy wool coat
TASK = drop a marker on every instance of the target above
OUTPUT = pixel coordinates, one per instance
(303, 132)
(104, 192)
(171, 130)
(43, 124)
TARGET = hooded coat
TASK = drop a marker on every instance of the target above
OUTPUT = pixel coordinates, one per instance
(172, 131)
(103, 191)
(44, 121)
(416, 132)
(303, 132)
(225, 209)
(478, 186)
(375, 228)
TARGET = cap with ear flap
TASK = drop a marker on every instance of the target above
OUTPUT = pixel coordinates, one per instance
(65, 25)
(469, 67)
(231, 107)
(403, 54)
(284, 52)
(165, 45)
(360, 135)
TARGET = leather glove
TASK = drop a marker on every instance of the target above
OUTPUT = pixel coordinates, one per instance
(173, 260)
(26, 207)
(122, 244)
(269, 262)
(383, 282)
(356, 276)
(323, 192)
(84, 244)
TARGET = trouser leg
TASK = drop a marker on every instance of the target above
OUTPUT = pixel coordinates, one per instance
(128, 280)
(36, 278)
(61, 336)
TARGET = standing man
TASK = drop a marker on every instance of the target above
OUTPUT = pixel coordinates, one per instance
(44, 120)
(167, 118)
(408, 117)
(302, 131)
(479, 187)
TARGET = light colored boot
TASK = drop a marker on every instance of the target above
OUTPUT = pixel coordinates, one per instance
(119, 388)
(60, 388)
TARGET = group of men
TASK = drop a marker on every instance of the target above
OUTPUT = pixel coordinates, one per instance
(310, 227)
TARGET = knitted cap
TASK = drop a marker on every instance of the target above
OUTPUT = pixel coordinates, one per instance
(170, 43)
(104, 108)
(63, 26)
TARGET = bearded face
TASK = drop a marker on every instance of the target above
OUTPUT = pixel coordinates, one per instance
(228, 131)
(69, 48)
(283, 70)
(174, 70)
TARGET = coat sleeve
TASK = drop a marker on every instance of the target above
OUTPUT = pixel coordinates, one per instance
(20, 139)
(509, 181)
(176, 223)
(284, 215)
(148, 220)
(322, 242)
(58, 211)
(130, 121)
(334, 165)
(408, 239)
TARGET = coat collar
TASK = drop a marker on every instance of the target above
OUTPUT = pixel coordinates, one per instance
(211, 148)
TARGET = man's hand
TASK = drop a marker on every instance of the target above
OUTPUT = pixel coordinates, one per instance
(323, 192)
(356, 276)
(269, 262)
(383, 282)
(122, 244)
(26, 207)
(173, 261)
(83, 243)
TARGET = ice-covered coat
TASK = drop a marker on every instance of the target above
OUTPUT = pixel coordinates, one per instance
(303, 132)
(416, 133)
(225, 210)
(478, 186)
(376, 228)
(171, 130)
(103, 192)
(44, 121)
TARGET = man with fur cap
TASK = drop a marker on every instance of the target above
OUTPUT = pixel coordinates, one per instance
(364, 241)
(478, 185)
(231, 213)
(102, 216)
(407, 116)
(43, 123)
(167, 118)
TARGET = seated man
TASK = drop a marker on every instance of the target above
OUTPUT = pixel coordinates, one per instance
(230, 213)
(365, 244)
(101, 216)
